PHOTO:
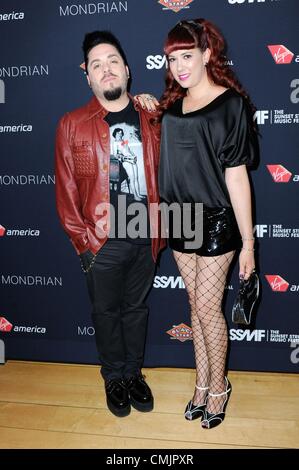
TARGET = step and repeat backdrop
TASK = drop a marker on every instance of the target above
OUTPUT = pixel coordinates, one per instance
(44, 305)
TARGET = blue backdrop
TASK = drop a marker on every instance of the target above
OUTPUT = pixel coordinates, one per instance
(44, 306)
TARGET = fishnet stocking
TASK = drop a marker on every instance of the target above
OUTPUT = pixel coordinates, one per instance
(205, 278)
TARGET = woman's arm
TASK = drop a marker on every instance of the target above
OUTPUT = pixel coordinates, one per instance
(240, 195)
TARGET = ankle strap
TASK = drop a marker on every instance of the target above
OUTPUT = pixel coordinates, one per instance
(219, 394)
(228, 389)
(201, 388)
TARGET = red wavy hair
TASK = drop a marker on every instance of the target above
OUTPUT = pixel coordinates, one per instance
(189, 34)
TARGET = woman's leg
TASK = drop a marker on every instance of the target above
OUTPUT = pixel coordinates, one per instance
(136, 179)
(187, 266)
(129, 167)
(210, 283)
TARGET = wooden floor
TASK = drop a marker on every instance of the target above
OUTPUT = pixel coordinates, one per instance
(44, 405)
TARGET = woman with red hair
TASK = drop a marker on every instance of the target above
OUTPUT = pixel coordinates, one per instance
(207, 140)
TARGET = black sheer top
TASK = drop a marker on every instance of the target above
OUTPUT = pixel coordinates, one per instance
(196, 147)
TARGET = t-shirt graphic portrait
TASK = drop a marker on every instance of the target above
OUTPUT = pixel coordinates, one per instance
(127, 176)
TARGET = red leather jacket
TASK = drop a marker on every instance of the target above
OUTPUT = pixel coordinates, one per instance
(82, 174)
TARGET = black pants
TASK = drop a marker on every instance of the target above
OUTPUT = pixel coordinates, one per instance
(118, 283)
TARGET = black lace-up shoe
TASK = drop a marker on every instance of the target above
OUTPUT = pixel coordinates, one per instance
(140, 394)
(117, 398)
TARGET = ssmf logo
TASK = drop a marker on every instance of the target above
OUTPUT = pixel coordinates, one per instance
(156, 62)
(246, 335)
(275, 231)
(281, 54)
(175, 5)
(261, 116)
(173, 282)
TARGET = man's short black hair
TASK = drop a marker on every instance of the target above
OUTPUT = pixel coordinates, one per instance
(101, 37)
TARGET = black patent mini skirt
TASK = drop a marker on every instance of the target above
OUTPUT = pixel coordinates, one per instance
(220, 233)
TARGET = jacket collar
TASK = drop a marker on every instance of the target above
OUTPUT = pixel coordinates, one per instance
(95, 108)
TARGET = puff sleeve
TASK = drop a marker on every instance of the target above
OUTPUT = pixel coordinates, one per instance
(240, 145)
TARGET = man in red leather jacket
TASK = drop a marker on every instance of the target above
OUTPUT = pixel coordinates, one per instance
(106, 161)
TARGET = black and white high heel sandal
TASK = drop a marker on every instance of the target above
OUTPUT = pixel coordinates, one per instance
(195, 411)
(211, 420)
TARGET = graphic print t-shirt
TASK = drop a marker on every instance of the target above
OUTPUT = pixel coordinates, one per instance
(127, 176)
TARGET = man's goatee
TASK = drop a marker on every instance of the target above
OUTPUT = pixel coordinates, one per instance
(112, 95)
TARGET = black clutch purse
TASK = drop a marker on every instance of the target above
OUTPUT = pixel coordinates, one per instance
(246, 298)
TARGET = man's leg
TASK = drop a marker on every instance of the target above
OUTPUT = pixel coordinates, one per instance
(134, 313)
(105, 283)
